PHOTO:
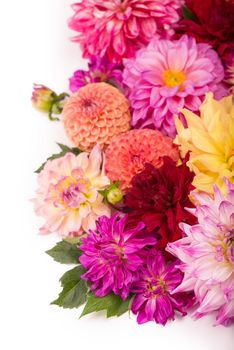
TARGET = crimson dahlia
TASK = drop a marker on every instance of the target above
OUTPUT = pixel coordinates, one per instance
(158, 197)
(213, 22)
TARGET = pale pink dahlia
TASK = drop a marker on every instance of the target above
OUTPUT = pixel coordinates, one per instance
(119, 27)
(113, 255)
(207, 255)
(68, 197)
(169, 75)
(95, 114)
(128, 153)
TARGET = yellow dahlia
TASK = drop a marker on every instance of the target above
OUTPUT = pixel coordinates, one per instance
(210, 140)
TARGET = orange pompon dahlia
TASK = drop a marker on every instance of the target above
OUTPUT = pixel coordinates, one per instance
(95, 114)
(128, 153)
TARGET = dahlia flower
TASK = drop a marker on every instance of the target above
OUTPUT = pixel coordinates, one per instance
(228, 61)
(169, 75)
(118, 28)
(158, 198)
(210, 141)
(207, 255)
(99, 70)
(154, 300)
(94, 114)
(213, 22)
(129, 152)
(68, 197)
(113, 255)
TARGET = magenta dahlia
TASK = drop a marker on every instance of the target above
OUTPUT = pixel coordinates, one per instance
(119, 27)
(154, 300)
(99, 70)
(113, 255)
(169, 75)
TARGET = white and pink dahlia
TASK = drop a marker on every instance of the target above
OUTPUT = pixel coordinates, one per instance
(207, 255)
(68, 197)
(117, 28)
(169, 75)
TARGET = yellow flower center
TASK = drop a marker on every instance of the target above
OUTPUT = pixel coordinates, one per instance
(172, 78)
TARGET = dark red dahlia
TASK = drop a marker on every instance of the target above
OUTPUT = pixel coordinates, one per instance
(158, 197)
(212, 22)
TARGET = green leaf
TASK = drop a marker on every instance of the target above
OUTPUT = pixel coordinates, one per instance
(65, 253)
(74, 291)
(187, 13)
(111, 303)
(64, 149)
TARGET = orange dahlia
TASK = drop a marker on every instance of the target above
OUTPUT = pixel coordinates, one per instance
(128, 153)
(95, 114)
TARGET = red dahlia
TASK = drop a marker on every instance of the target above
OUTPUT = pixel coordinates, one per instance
(213, 22)
(158, 197)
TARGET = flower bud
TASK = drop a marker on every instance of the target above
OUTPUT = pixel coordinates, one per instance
(114, 195)
(43, 98)
(46, 100)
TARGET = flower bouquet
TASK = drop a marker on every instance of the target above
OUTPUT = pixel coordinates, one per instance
(143, 200)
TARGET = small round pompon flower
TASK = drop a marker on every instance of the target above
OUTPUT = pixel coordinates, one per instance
(113, 255)
(168, 75)
(129, 152)
(94, 114)
(118, 28)
(154, 300)
(68, 197)
(99, 70)
(210, 143)
(207, 255)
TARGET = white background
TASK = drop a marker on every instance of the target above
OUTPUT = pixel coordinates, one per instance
(35, 47)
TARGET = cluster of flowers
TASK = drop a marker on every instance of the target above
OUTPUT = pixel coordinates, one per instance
(146, 195)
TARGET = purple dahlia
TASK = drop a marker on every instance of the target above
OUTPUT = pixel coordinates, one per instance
(100, 69)
(113, 255)
(154, 300)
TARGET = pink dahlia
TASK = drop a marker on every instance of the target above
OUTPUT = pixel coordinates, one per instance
(207, 255)
(128, 153)
(154, 300)
(119, 27)
(68, 196)
(113, 255)
(169, 75)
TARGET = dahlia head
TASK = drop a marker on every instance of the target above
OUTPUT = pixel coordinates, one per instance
(113, 254)
(99, 70)
(95, 114)
(154, 300)
(213, 23)
(210, 142)
(207, 255)
(228, 62)
(68, 196)
(158, 197)
(118, 28)
(169, 75)
(128, 153)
